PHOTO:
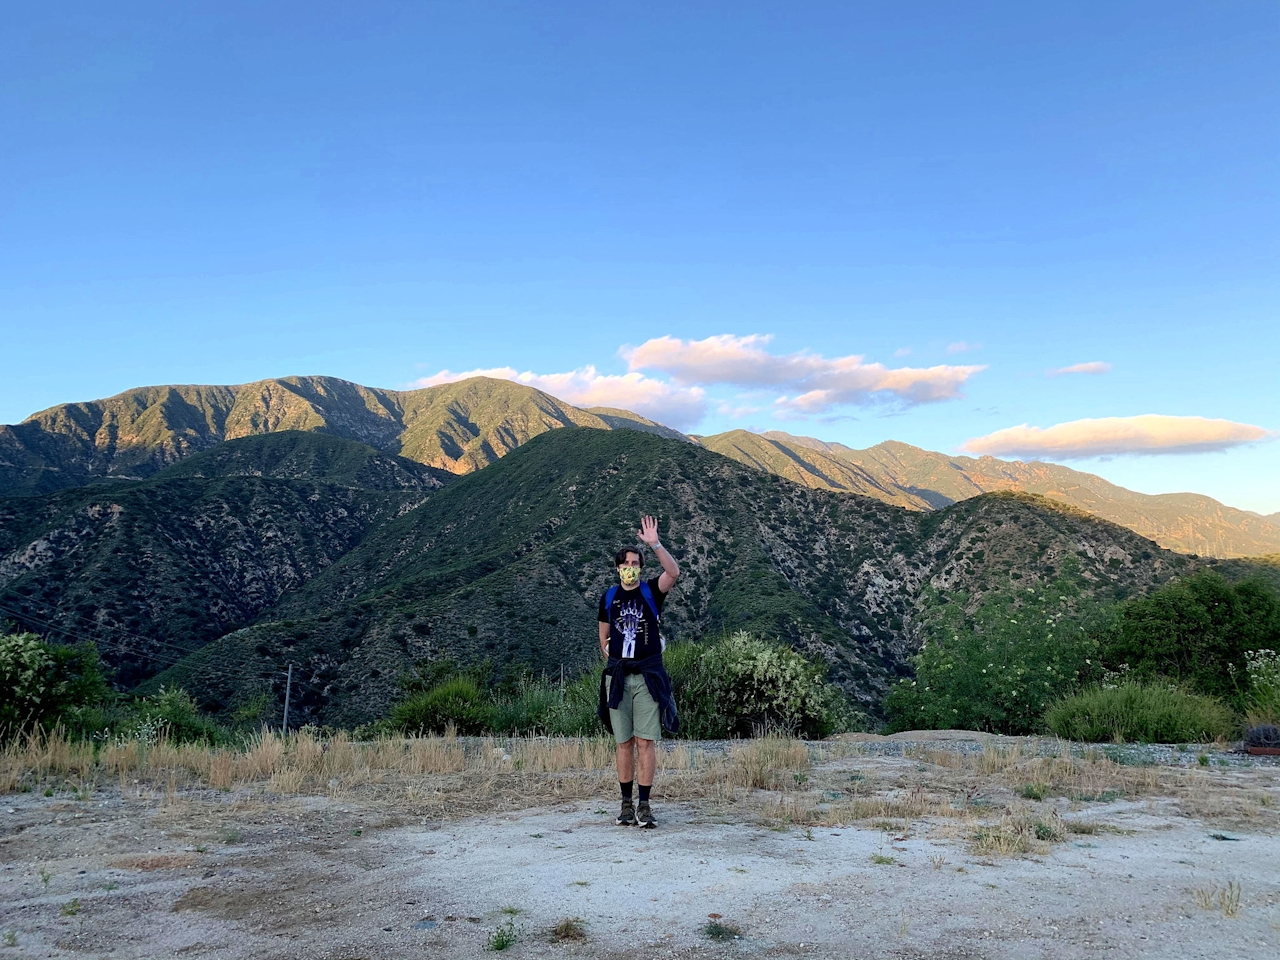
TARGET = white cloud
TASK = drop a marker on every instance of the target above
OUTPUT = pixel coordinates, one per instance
(819, 382)
(726, 409)
(961, 346)
(1092, 367)
(1117, 436)
(902, 352)
(448, 376)
(586, 387)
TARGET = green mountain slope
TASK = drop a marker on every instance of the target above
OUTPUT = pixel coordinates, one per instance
(458, 427)
(317, 457)
(922, 479)
(508, 563)
(152, 570)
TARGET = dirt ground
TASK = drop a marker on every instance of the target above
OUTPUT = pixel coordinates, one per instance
(1186, 872)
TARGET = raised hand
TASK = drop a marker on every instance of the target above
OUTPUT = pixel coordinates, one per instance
(649, 531)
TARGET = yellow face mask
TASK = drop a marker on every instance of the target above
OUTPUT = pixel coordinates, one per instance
(629, 576)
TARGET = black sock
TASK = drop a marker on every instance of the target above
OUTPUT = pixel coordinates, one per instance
(644, 792)
(626, 789)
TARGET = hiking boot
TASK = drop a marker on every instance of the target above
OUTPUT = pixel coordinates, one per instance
(627, 815)
(644, 816)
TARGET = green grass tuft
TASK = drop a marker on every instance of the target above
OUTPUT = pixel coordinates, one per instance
(502, 937)
(721, 931)
(1137, 712)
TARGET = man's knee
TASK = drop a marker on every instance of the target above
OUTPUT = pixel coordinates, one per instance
(643, 744)
(626, 744)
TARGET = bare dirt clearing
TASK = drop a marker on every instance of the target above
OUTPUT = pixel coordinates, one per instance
(956, 847)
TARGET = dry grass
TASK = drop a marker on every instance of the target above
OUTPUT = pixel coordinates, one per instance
(569, 929)
(1225, 898)
(1019, 832)
(766, 764)
(1004, 800)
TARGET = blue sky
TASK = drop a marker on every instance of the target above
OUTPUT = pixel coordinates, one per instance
(383, 192)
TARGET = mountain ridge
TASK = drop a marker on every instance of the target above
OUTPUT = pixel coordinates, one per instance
(460, 427)
(922, 479)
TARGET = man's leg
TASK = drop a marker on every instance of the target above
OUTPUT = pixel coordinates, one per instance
(648, 764)
(627, 763)
(621, 719)
(647, 731)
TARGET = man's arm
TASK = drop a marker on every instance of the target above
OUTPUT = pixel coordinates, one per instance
(604, 639)
(670, 569)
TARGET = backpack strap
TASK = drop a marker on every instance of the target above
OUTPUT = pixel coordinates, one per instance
(648, 598)
(645, 592)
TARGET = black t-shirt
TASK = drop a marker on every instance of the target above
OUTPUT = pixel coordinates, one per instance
(633, 628)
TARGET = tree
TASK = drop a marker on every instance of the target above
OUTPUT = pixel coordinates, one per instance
(1196, 632)
(42, 684)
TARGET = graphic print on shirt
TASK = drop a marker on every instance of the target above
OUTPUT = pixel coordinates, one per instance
(629, 623)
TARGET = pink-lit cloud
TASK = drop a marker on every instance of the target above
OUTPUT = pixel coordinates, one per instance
(1118, 436)
(675, 406)
(813, 383)
(1092, 367)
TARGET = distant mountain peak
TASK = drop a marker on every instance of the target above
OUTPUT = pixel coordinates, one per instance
(922, 479)
(457, 427)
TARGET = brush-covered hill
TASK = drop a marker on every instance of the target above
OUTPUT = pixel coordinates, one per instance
(507, 564)
(295, 455)
(809, 466)
(457, 427)
(921, 479)
(152, 570)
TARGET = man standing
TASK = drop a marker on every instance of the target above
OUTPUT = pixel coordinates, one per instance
(635, 687)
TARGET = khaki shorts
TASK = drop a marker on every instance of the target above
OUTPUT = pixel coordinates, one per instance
(637, 714)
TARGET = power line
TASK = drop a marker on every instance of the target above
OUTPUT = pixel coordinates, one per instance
(117, 644)
(150, 641)
(211, 669)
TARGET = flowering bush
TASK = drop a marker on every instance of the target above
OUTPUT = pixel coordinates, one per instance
(1263, 667)
(999, 667)
(172, 714)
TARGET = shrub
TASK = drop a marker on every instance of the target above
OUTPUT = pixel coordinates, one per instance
(738, 686)
(998, 667)
(44, 684)
(541, 707)
(172, 714)
(742, 685)
(1142, 712)
(457, 701)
